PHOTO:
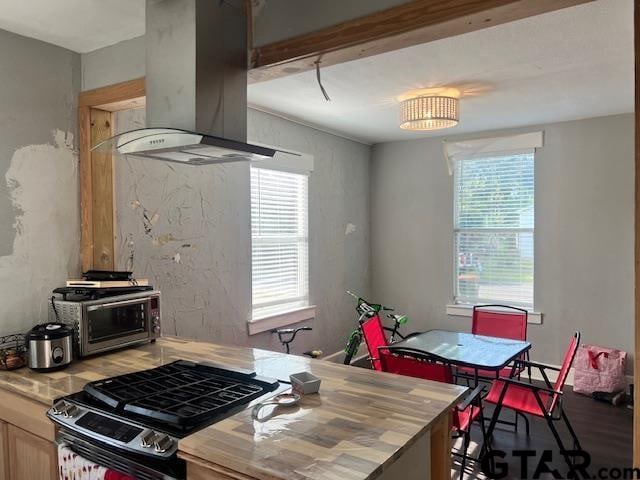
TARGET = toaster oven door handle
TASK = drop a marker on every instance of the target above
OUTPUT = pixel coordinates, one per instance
(122, 303)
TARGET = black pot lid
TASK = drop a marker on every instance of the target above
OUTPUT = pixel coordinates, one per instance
(49, 331)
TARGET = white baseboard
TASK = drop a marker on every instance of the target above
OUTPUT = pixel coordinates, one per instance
(338, 357)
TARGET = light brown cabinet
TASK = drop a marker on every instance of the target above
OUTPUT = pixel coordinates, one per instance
(4, 452)
(27, 448)
(30, 457)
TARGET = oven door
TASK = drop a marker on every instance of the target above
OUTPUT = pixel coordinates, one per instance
(115, 324)
(90, 451)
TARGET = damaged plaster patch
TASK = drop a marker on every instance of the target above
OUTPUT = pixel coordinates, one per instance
(149, 221)
(43, 186)
(163, 239)
(351, 228)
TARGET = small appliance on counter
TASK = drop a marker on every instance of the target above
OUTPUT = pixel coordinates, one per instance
(106, 319)
(49, 346)
(107, 279)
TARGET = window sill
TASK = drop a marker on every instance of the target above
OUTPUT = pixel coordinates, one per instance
(263, 324)
(467, 311)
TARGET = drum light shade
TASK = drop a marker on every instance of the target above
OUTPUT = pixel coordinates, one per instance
(429, 113)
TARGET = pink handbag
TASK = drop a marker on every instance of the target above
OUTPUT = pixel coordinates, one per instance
(599, 369)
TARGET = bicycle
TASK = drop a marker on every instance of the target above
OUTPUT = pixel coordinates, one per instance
(288, 335)
(366, 310)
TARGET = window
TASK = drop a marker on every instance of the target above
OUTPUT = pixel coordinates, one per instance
(494, 229)
(280, 242)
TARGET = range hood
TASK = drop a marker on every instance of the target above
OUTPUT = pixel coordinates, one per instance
(196, 86)
(182, 146)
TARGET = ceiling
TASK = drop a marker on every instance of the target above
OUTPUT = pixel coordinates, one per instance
(565, 65)
(79, 25)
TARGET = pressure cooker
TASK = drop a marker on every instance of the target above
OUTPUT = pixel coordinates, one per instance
(49, 346)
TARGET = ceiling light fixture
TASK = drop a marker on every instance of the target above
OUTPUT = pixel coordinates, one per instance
(430, 109)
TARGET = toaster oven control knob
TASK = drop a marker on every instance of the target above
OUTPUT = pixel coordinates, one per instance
(162, 443)
(156, 329)
(147, 439)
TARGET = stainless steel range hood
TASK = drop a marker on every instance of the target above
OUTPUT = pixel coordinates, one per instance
(196, 86)
(181, 146)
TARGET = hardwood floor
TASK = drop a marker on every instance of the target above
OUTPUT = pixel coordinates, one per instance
(605, 432)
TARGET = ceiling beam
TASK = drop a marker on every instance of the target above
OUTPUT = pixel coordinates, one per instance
(405, 25)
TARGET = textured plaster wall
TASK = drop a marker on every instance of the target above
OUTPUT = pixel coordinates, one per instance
(113, 64)
(39, 197)
(584, 233)
(188, 230)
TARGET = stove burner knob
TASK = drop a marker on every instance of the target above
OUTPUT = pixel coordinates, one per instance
(162, 443)
(59, 407)
(147, 439)
(71, 411)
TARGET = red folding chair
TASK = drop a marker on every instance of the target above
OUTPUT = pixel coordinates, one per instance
(501, 321)
(544, 402)
(465, 413)
(374, 337)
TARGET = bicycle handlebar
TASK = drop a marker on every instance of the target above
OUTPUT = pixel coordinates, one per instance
(288, 331)
(284, 331)
(368, 306)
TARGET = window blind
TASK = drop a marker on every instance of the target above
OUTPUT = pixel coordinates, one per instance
(494, 229)
(280, 243)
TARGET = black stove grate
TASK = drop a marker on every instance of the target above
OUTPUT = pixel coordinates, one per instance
(180, 393)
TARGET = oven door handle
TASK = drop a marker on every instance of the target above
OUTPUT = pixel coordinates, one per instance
(122, 303)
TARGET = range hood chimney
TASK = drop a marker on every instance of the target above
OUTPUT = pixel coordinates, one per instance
(196, 85)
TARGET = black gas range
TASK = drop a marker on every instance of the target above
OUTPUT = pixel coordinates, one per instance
(132, 423)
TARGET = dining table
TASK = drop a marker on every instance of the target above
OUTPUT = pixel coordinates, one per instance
(478, 352)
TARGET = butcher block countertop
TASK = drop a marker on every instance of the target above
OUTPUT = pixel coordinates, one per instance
(359, 422)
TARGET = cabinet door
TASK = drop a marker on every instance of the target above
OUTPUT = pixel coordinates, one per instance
(4, 452)
(30, 457)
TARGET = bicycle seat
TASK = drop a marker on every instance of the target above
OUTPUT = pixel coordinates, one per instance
(401, 319)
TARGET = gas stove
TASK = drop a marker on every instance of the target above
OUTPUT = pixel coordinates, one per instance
(132, 423)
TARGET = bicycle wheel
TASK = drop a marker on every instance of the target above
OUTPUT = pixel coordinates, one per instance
(353, 344)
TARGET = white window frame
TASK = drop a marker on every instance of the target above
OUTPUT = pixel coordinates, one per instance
(301, 164)
(479, 148)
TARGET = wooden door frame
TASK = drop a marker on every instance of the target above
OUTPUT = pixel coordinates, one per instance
(96, 113)
(377, 33)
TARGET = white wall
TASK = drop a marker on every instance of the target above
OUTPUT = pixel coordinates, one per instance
(583, 244)
(114, 64)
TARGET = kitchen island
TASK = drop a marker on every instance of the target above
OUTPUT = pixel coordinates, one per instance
(362, 425)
